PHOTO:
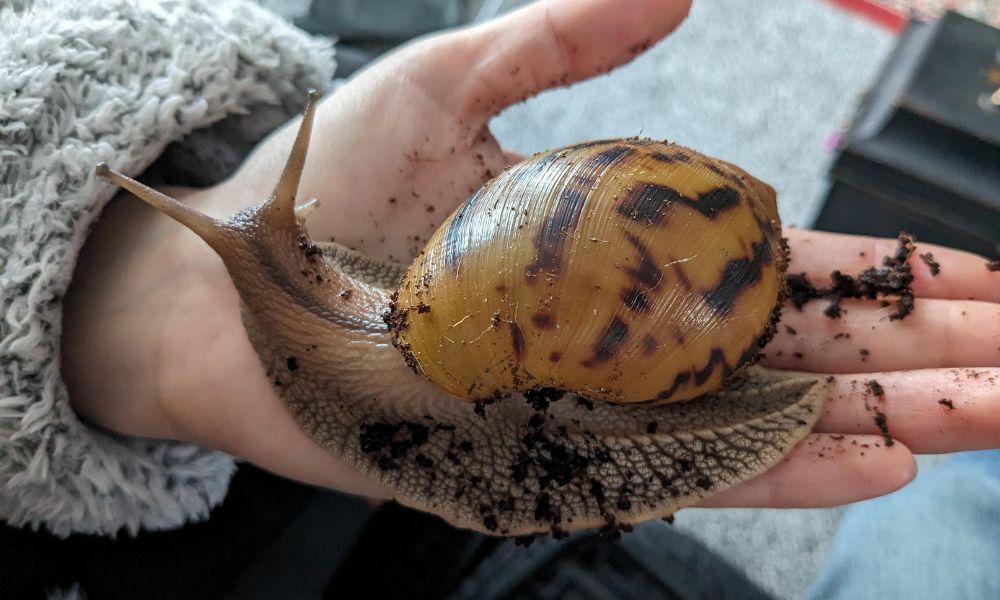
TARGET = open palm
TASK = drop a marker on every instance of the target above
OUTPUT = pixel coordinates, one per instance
(393, 152)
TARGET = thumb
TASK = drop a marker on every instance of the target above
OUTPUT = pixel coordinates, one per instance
(548, 44)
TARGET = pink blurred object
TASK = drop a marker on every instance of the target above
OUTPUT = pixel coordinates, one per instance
(893, 20)
(894, 14)
(832, 141)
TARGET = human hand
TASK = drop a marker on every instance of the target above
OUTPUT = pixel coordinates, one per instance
(390, 134)
(938, 368)
(153, 344)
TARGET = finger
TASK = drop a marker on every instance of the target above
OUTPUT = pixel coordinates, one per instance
(932, 411)
(938, 333)
(825, 470)
(960, 274)
(548, 44)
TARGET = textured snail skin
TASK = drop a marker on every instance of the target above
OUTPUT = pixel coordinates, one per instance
(625, 270)
(314, 313)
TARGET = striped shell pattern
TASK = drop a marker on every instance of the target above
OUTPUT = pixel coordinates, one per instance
(622, 270)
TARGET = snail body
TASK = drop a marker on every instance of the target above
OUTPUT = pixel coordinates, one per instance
(584, 292)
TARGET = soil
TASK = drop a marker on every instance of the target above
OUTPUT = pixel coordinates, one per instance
(880, 419)
(397, 320)
(883, 427)
(389, 442)
(932, 264)
(309, 248)
(480, 406)
(539, 399)
(893, 278)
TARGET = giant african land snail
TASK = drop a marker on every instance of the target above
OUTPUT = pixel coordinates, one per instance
(630, 274)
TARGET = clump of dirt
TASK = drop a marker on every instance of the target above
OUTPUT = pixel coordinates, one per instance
(932, 264)
(894, 278)
(389, 442)
(612, 529)
(880, 419)
(309, 248)
(396, 319)
(883, 427)
(480, 406)
(540, 398)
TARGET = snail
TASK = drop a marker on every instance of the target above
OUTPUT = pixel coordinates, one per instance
(573, 349)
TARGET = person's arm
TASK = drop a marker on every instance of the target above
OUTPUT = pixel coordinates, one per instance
(114, 82)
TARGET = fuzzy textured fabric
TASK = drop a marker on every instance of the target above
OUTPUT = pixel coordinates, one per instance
(83, 82)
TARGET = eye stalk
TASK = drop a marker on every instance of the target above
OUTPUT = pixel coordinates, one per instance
(279, 211)
(206, 227)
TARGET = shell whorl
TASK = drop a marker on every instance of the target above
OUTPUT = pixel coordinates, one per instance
(622, 270)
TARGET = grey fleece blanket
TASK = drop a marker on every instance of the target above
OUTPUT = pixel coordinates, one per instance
(116, 81)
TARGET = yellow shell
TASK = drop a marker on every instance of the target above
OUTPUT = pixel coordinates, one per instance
(622, 270)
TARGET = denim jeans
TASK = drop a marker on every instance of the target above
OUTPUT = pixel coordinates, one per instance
(938, 537)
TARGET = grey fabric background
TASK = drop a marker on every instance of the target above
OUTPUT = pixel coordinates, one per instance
(116, 81)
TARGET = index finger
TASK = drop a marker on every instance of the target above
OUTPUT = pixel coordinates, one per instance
(938, 271)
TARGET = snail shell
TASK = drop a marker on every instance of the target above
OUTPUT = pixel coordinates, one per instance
(623, 270)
